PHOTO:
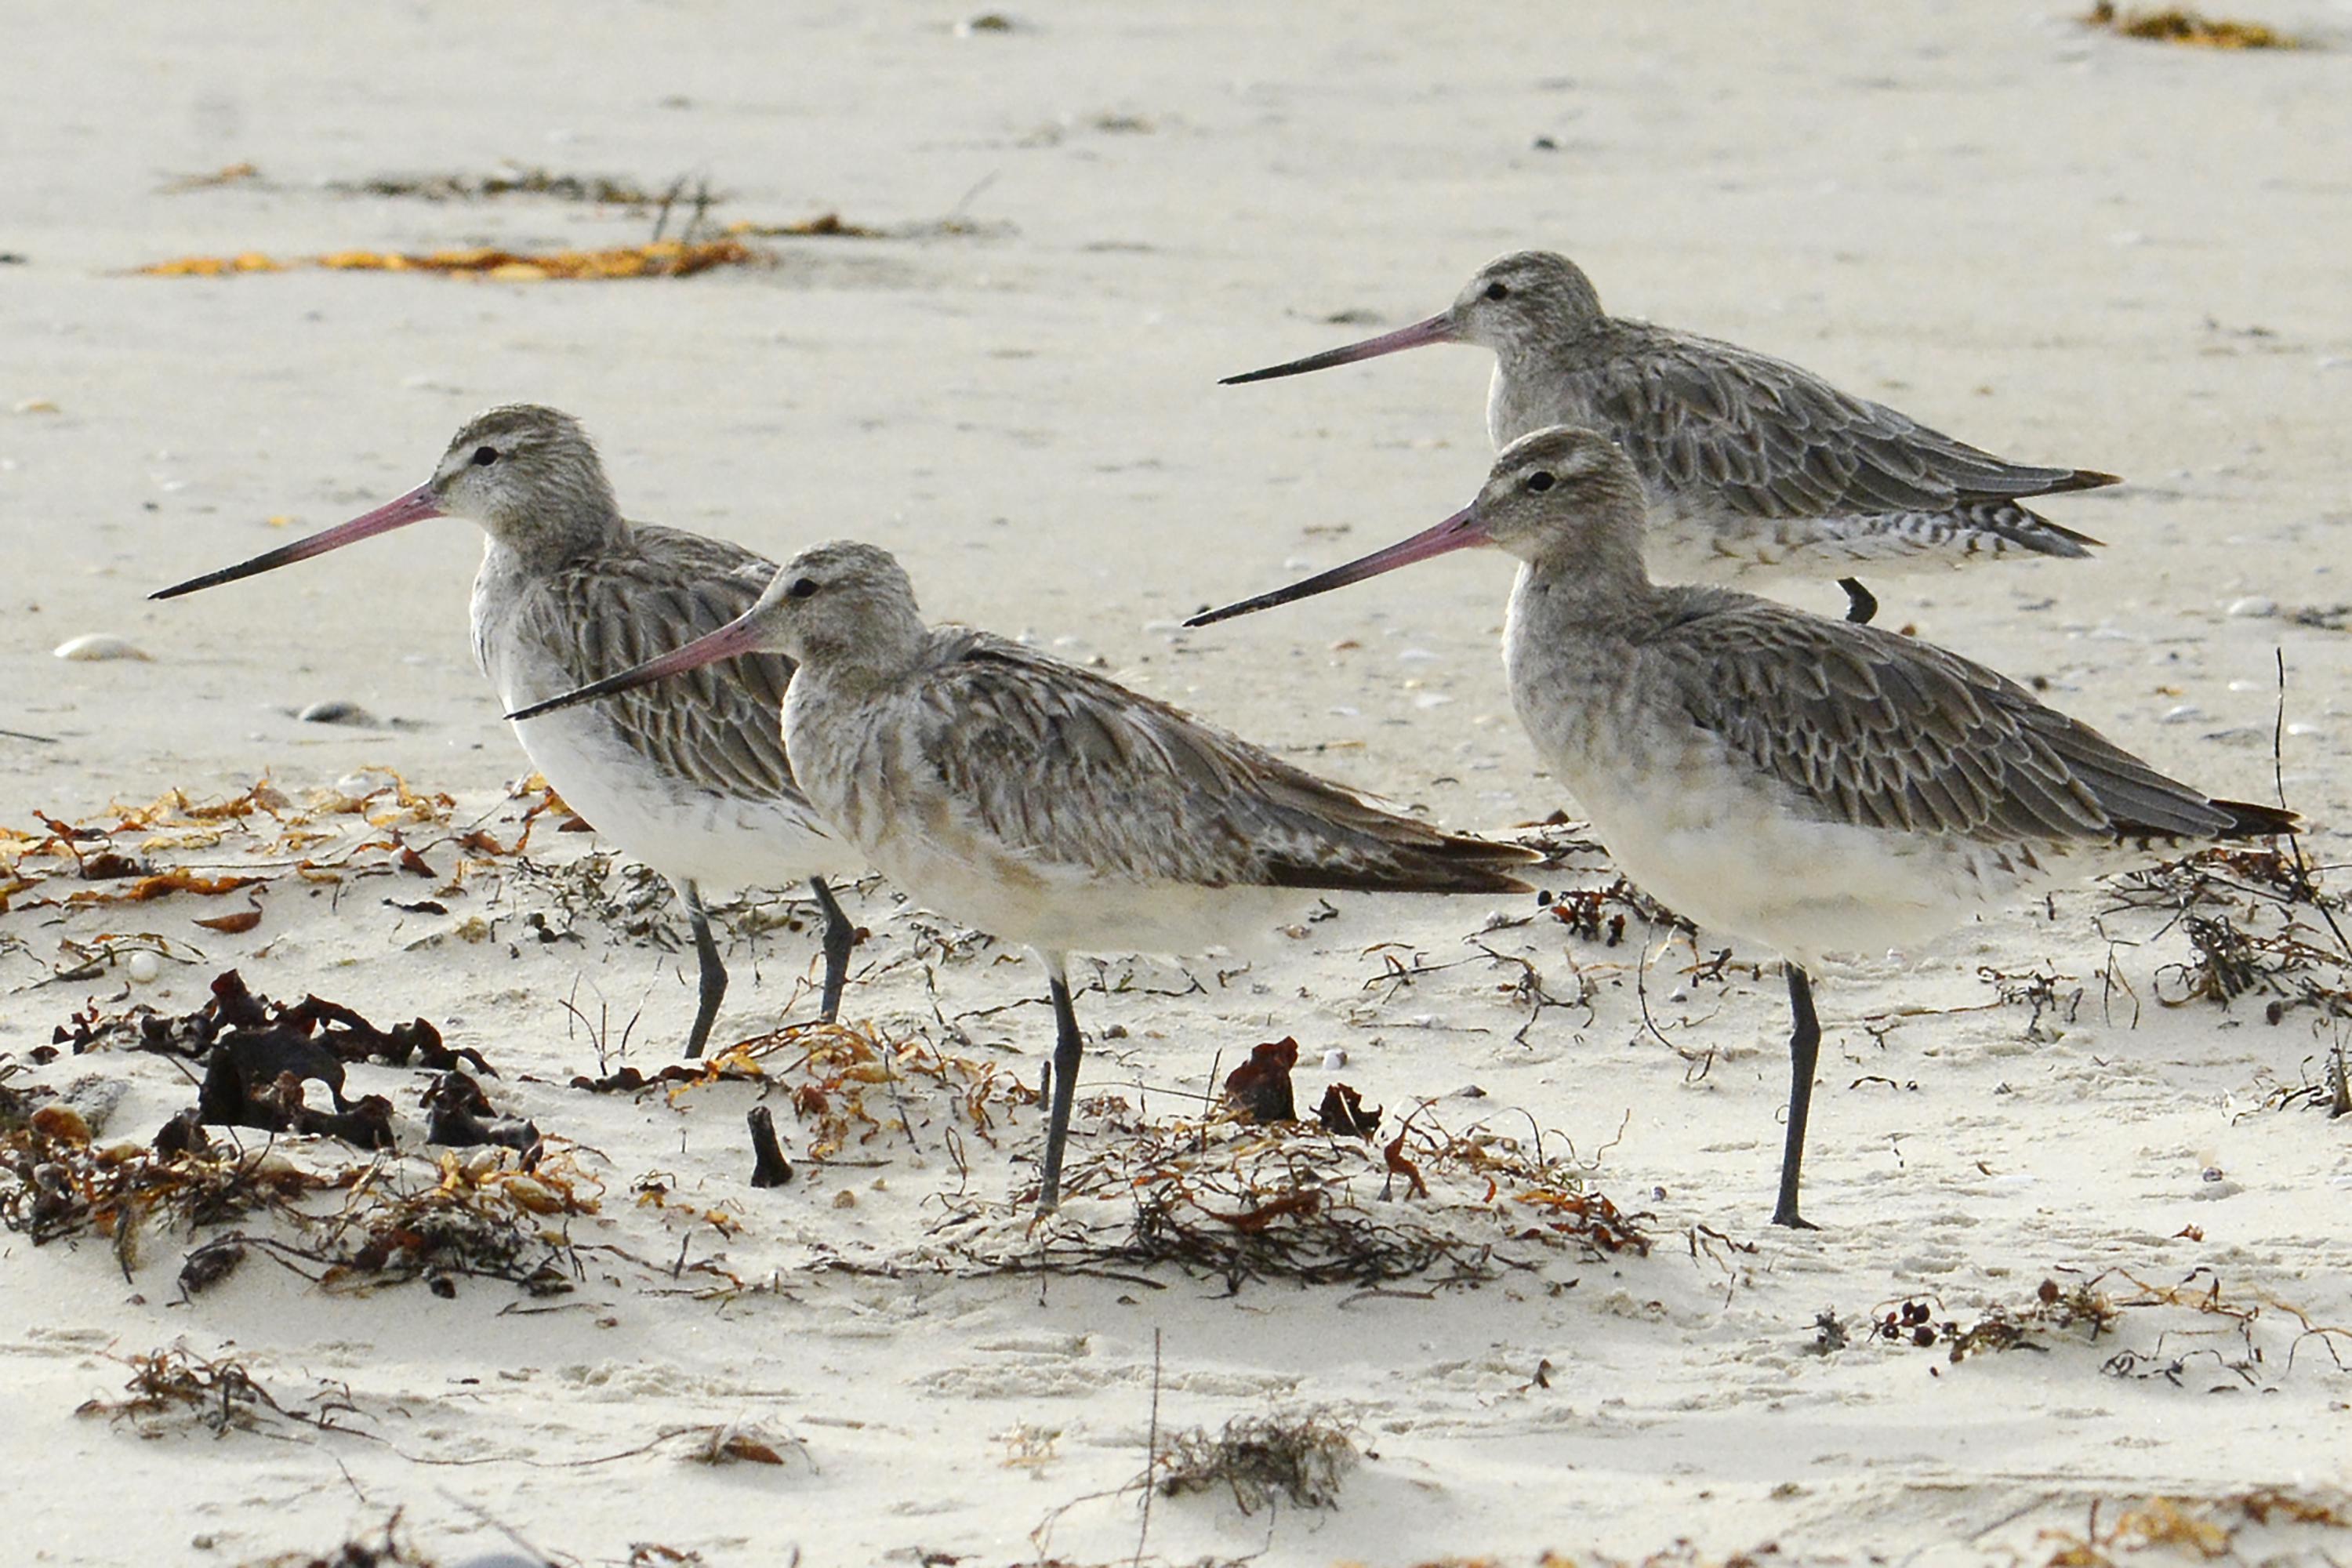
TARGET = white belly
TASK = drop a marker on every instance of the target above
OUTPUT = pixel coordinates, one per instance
(945, 866)
(717, 839)
(1705, 833)
(1720, 854)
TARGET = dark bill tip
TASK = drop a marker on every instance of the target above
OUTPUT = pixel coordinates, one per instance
(415, 507)
(1460, 531)
(1436, 330)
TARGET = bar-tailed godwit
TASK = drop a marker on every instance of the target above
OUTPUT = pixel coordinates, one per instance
(1047, 804)
(691, 779)
(1751, 466)
(1810, 784)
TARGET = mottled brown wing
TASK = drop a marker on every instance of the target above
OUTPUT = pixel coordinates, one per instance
(1775, 440)
(1076, 769)
(720, 726)
(1882, 731)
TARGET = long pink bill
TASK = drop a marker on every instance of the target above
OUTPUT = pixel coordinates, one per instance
(736, 637)
(1436, 330)
(415, 507)
(1459, 532)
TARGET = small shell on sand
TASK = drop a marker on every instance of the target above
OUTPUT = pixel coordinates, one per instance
(99, 645)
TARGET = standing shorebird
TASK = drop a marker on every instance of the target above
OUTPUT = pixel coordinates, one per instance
(1813, 785)
(692, 780)
(1046, 805)
(1751, 465)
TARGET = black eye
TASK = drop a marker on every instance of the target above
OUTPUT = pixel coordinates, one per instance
(485, 455)
(1539, 481)
(1498, 291)
(802, 588)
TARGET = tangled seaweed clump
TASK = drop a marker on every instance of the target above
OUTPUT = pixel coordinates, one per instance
(1243, 1203)
(1303, 1459)
(2259, 922)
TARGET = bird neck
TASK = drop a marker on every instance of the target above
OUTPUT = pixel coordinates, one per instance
(1598, 579)
(584, 523)
(883, 647)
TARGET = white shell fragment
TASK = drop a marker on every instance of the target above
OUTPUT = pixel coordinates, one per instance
(93, 646)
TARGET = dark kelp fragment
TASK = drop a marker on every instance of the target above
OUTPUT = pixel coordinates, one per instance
(1343, 1112)
(769, 1166)
(1259, 1090)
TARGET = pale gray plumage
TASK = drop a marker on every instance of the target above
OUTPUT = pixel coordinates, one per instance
(1886, 731)
(1047, 805)
(1814, 785)
(607, 609)
(1077, 771)
(693, 779)
(1749, 464)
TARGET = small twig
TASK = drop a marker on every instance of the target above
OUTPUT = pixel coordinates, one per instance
(2278, 782)
(1151, 1453)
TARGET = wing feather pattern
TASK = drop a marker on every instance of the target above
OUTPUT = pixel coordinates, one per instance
(1775, 440)
(1881, 730)
(718, 726)
(1071, 768)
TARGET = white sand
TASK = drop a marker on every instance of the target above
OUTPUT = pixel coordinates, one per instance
(2066, 247)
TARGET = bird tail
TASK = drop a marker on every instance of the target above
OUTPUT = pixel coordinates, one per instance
(2084, 479)
(1431, 862)
(2250, 821)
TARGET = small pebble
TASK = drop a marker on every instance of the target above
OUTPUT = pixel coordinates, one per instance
(1334, 1059)
(845, 1199)
(335, 710)
(94, 646)
(2182, 713)
(2253, 608)
(985, 22)
(143, 966)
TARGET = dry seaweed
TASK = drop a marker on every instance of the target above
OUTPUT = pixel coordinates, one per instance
(1243, 1204)
(602, 190)
(478, 1219)
(2219, 1334)
(2195, 1529)
(2179, 25)
(1258, 1458)
(658, 259)
(174, 1383)
(54, 1185)
(2259, 922)
(387, 1547)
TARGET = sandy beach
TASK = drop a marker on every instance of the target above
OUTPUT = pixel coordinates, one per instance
(2084, 1279)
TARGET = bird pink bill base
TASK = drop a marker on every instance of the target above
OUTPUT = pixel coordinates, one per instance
(416, 506)
(1438, 329)
(1460, 531)
(736, 638)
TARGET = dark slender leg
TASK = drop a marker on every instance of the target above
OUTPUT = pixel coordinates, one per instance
(1860, 605)
(714, 972)
(840, 936)
(1068, 1044)
(1805, 1052)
